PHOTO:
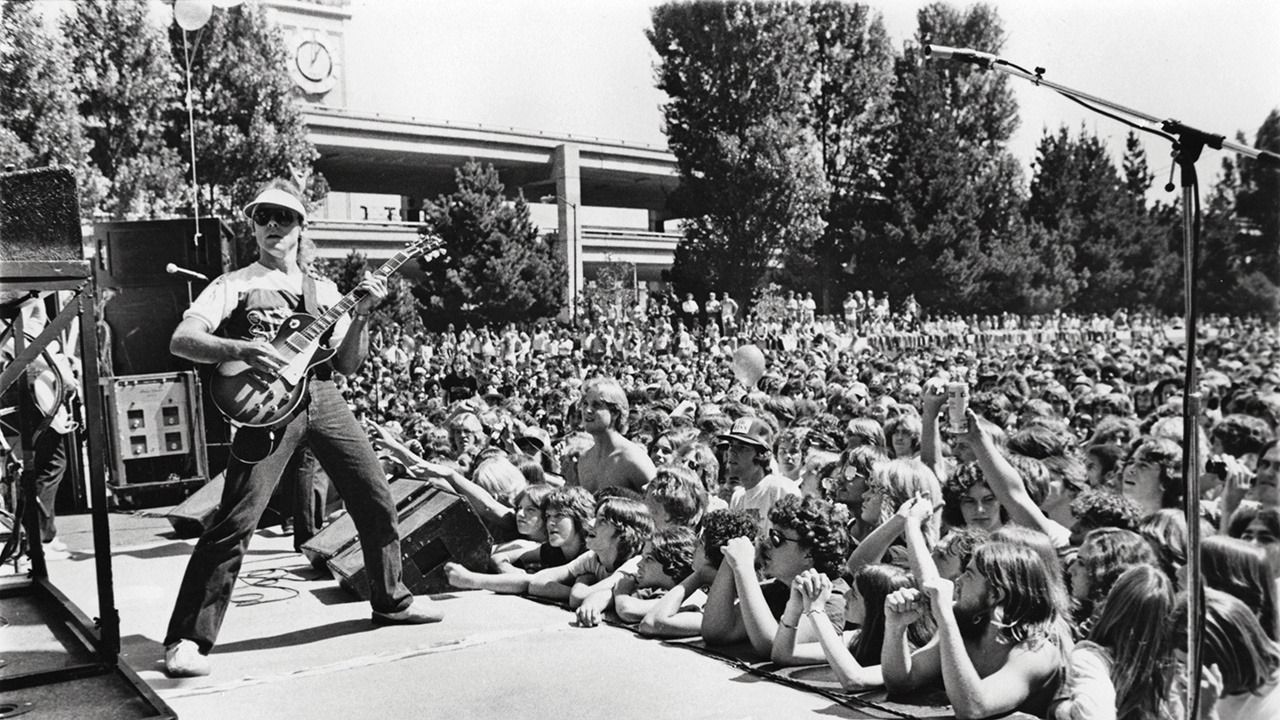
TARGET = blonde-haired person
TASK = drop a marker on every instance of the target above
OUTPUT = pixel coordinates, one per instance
(893, 486)
(612, 460)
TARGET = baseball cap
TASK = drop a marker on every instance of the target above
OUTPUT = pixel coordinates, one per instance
(534, 436)
(276, 196)
(749, 431)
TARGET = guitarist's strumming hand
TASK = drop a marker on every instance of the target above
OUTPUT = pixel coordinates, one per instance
(261, 356)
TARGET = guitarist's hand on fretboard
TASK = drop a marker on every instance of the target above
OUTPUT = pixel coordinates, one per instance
(375, 291)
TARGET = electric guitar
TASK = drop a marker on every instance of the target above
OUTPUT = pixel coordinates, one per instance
(258, 399)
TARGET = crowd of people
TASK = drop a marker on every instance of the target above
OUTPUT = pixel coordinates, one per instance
(831, 504)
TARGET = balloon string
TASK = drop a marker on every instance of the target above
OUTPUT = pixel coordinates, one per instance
(191, 123)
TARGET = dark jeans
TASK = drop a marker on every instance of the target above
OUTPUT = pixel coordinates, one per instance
(342, 448)
(51, 464)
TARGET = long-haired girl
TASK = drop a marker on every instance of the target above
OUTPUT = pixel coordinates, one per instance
(1123, 670)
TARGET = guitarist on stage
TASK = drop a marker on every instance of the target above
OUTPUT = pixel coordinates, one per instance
(234, 319)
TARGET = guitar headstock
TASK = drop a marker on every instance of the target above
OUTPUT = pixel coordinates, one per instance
(429, 245)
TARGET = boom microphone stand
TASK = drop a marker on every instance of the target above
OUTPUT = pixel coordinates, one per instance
(1188, 143)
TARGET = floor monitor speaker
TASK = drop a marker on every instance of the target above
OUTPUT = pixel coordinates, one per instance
(435, 527)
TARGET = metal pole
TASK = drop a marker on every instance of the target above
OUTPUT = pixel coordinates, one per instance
(1190, 142)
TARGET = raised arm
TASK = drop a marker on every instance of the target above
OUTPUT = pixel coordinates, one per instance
(903, 669)
(918, 511)
(1001, 692)
(787, 649)
(486, 505)
(721, 622)
(740, 555)
(935, 396)
(815, 589)
(876, 544)
(1004, 480)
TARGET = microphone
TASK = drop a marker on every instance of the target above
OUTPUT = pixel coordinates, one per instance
(175, 270)
(976, 57)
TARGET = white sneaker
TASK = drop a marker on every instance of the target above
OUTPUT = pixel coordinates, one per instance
(184, 659)
(56, 545)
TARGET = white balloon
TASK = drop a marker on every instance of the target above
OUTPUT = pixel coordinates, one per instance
(191, 15)
(226, 3)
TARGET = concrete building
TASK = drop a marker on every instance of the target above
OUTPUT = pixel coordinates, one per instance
(382, 168)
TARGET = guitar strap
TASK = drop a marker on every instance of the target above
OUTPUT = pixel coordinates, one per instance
(311, 306)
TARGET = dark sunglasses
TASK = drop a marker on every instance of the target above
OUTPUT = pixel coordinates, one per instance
(776, 538)
(281, 216)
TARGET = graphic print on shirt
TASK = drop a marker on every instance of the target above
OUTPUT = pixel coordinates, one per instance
(260, 313)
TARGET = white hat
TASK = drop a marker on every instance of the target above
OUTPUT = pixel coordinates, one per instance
(276, 196)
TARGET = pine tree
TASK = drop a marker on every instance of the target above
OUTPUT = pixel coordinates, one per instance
(495, 267)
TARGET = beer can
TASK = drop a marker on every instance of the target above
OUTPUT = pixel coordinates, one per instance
(957, 404)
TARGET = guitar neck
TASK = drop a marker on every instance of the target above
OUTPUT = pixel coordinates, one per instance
(331, 316)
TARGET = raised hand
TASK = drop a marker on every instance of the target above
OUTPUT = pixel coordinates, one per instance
(919, 510)
(940, 592)
(740, 553)
(903, 607)
(933, 397)
(815, 588)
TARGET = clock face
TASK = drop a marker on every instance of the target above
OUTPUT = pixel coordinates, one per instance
(314, 63)
(313, 60)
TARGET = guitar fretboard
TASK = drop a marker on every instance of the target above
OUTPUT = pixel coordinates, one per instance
(321, 324)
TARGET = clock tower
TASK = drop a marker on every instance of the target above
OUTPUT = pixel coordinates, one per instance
(313, 31)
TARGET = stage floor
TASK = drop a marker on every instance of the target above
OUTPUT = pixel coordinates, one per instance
(295, 645)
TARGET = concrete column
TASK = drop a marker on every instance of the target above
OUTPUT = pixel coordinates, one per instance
(658, 220)
(567, 173)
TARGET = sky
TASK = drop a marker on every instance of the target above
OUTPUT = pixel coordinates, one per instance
(584, 67)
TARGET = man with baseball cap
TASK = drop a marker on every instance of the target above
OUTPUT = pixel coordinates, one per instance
(748, 460)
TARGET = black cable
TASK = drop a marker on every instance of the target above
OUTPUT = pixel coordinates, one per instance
(263, 580)
(1098, 110)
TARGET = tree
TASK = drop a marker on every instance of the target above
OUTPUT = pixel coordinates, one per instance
(852, 114)
(1137, 177)
(1239, 269)
(128, 93)
(953, 190)
(1258, 210)
(495, 267)
(248, 121)
(738, 77)
(39, 124)
(1125, 256)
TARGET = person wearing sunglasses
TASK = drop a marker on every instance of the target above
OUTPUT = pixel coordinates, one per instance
(805, 533)
(234, 319)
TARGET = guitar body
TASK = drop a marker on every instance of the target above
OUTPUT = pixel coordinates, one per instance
(256, 399)
(248, 397)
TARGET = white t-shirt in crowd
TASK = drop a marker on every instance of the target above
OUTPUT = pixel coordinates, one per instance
(759, 500)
